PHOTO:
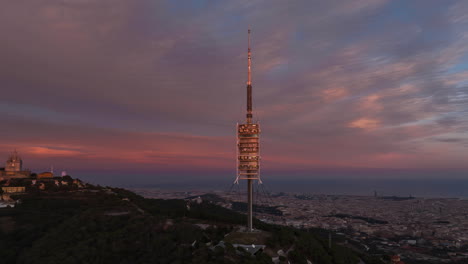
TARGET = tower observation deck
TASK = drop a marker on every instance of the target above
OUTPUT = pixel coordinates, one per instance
(248, 145)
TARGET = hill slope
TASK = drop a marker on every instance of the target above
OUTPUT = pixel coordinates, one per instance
(110, 225)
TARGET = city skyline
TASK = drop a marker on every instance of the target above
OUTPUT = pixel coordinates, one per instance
(146, 87)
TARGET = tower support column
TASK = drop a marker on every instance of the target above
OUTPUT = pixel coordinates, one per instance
(249, 205)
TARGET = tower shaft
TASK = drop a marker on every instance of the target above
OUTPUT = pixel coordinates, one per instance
(250, 205)
(249, 121)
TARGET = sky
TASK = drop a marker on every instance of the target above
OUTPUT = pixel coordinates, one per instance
(156, 87)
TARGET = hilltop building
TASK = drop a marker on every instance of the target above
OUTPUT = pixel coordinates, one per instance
(45, 175)
(14, 168)
(14, 189)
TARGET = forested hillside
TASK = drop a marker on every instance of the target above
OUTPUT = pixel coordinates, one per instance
(109, 225)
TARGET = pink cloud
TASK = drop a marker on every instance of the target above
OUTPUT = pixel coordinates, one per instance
(364, 123)
(51, 152)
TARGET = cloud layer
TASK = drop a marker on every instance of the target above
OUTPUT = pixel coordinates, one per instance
(159, 85)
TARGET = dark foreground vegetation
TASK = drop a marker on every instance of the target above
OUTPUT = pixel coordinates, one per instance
(108, 225)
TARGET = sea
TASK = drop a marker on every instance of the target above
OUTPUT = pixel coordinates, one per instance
(368, 186)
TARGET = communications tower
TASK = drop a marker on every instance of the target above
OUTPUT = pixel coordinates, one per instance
(248, 151)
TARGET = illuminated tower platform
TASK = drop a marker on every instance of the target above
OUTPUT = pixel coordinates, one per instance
(248, 147)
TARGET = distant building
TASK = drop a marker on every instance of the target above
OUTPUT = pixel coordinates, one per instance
(17, 189)
(396, 260)
(14, 163)
(45, 175)
(14, 168)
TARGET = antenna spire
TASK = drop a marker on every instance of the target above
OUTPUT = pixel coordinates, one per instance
(249, 83)
(249, 57)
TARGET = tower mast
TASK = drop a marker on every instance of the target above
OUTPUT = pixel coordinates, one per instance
(249, 121)
(248, 155)
(249, 82)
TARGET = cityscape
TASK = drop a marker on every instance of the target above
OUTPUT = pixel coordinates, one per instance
(427, 229)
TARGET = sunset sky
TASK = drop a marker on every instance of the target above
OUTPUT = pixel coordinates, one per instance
(152, 86)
